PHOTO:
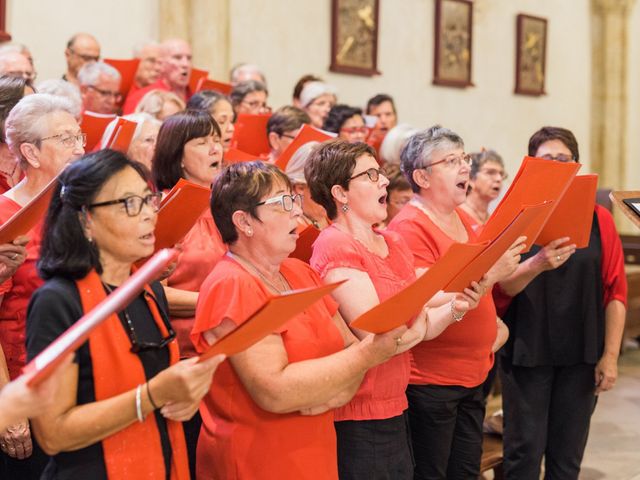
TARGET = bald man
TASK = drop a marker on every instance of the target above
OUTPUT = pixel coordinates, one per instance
(81, 48)
(16, 64)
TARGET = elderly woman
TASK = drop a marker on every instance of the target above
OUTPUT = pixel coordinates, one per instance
(160, 104)
(189, 147)
(446, 402)
(250, 97)
(347, 122)
(345, 179)
(219, 107)
(268, 413)
(566, 321)
(317, 98)
(128, 375)
(44, 136)
(485, 182)
(143, 142)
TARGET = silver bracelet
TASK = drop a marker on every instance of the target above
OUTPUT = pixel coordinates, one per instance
(456, 316)
(139, 404)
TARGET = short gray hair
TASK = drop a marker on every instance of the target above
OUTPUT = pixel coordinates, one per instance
(243, 69)
(243, 89)
(62, 88)
(140, 118)
(25, 123)
(419, 148)
(90, 73)
(394, 141)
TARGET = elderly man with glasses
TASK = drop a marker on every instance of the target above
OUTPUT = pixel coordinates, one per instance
(82, 48)
(99, 88)
(15, 64)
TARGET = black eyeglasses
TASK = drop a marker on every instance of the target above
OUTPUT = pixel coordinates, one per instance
(372, 173)
(561, 157)
(133, 204)
(106, 93)
(86, 58)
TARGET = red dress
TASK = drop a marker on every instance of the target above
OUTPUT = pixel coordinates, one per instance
(382, 392)
(202, 248)
(239, 440)
(16, 293)
(461, 355)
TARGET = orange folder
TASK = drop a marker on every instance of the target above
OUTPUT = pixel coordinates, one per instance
(537, 181)
(250, 134)
(233, 155)
(306, 134)
(195, 77)
(94, 125)
(127, 69)
(304, 245)
(480, 265)
(28, 216)
(208, 84)
(574, 214)
(274, 313)
(122, 135)
(179, 211)
(46, 361)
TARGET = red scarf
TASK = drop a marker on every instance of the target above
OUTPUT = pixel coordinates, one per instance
(135, 451)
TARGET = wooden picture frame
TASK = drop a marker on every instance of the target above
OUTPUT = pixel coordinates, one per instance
(531, 50)
(354, 37)
(453, 43)
(4, 36)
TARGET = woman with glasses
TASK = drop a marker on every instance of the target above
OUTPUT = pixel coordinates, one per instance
(119, 410)
(268, 414)
(347, 122)
(566, 320)
(485, 183)
(446, 402)
(189, 147)
(250, 97)
(372, 434)
(44, 136)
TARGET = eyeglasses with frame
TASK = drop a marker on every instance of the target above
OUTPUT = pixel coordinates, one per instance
(286, 135)
(372, 173)
(453, 161)
(86, 58)
(133, 203)
(560, 157)
(286, 201)
(262, 107)
(68, 140)
(106, 93)
(494, 172)
(352, 130)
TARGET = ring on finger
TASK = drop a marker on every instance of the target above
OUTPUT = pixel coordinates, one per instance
(15, 255)
(558, 257)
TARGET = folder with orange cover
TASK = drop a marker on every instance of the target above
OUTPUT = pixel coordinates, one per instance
(250, 134)
(306, 134)
(574, 214)
(179, 211)
(127, 69)
(537, 181)
(208, 84)
(94, 125)
(122, 135)
(195, 77)
(28, 216)
(46, 361)
(233, 155)
(274, 313)
(304, 245)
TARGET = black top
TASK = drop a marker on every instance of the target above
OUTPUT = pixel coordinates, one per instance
(53, 308)
(558, 319)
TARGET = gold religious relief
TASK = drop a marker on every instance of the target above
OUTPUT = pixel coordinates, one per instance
(354, 37)
(452, 59)
(531, 46)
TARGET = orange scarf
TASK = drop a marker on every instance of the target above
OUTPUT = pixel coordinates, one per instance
(135, 451)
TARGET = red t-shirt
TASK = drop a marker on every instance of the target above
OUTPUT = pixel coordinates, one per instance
(202, 248)
(382, 392)
(239, 440)
(16, 293)
(461, 355)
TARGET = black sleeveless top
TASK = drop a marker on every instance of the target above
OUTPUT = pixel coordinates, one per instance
(558, 319)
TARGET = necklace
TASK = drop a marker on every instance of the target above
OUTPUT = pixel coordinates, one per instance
(313, 221)
(451, 231)
(282, 288)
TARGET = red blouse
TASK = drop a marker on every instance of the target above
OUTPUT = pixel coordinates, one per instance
(16, 293)
(382, 392)
(461, 355)
(239, 440)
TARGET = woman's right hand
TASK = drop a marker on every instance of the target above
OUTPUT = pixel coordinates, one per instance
(12, 255)
(554, 254)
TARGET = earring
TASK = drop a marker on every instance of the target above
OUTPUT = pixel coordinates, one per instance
(249, 232)
(345, 208)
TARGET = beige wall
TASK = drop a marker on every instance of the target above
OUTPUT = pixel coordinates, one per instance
(46, 26)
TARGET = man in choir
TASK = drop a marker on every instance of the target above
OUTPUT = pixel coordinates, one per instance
(99, 88)
(282, 128)
(15, 64)
(150, 66)
(81, 48)
(383, 107)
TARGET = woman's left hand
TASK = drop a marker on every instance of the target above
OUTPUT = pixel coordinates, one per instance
(15, 441)
(180, 411)
(606, 373)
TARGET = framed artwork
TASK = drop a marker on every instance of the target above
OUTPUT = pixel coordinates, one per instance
(531, 49)
(4, 36)
(354, 37)
(452, 59)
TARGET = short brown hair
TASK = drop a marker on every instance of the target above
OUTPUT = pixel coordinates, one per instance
(332, 163)
(286, 119)
(240, 186)
(546, 134)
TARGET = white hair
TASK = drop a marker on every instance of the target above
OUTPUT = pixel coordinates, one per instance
(62, 88)
(90, 73)
(295, 167)
(394, 141)
(245, 71)
(140, 119)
